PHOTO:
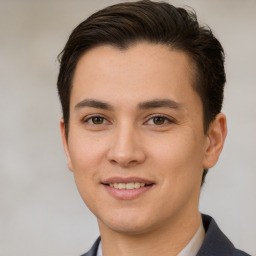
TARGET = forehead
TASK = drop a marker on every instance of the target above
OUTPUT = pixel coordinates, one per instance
(141, 71)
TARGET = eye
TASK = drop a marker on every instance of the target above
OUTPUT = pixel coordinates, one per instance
(96, 120)
(159, 120)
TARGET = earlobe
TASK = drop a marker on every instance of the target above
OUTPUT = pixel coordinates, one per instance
(216, 136)
(65, 143)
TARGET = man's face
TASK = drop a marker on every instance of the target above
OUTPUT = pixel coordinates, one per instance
(136, 142)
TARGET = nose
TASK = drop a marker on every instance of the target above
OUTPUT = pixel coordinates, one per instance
(126, 148)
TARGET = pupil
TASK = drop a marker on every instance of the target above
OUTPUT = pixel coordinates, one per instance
(97, 120)
(158, 120)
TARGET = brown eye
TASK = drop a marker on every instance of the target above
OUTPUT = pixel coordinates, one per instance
(96, 120)
(159, 120)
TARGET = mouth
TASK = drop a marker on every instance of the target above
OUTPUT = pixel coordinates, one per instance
(131, 185)
(127, 188)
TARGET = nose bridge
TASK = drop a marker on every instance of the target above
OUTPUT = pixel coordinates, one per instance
(126, 148)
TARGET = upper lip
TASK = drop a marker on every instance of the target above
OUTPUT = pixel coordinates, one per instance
(112, 180)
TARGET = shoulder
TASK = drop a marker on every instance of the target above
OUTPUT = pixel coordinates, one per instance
(215, 242)
(94, 249)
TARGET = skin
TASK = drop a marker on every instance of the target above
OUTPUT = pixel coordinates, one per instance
(126, 140)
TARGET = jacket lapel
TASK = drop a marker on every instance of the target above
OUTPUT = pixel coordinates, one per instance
(94, 249)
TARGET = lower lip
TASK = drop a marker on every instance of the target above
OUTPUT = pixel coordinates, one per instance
(127, 194)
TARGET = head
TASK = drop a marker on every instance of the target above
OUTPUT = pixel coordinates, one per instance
(141, 87)
(125, 24)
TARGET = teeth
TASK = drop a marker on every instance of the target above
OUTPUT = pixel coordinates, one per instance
(131, 185)
(137, 185)
(121, 186)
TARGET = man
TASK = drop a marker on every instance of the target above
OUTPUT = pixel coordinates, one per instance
(141, 87)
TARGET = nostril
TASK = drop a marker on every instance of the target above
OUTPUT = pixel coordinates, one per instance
(124, 162)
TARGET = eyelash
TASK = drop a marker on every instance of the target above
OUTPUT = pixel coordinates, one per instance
(166, 120)
(89, 120)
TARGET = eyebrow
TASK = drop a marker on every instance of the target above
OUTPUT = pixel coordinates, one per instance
(158, 103)
(93, 104)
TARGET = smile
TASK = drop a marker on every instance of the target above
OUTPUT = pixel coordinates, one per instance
(131, 185)
(127, 188)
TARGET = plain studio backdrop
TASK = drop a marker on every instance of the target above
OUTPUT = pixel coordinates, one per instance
(41, 211)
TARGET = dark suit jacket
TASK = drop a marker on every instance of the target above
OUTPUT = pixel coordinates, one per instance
(215, 242)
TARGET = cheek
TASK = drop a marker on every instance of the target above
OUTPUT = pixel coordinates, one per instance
(85, 153)
(180, 171)
(86, 157)
(86, 161)
(181, 158)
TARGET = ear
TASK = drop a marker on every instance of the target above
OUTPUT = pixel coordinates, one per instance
(65, 143)
(216, 137)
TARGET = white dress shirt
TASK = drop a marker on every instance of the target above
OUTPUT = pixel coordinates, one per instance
(195, 243)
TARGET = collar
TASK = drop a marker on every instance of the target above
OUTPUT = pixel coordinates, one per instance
(195, 243)
(99, 251)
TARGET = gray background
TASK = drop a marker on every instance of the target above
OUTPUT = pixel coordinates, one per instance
(41, 212)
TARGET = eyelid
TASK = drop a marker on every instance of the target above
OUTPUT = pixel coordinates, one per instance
(88, 117)
(166, 117)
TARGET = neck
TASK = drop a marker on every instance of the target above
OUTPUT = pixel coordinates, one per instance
(169, 240)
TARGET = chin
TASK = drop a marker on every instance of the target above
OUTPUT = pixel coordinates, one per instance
(128, 223)
(128, 228)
